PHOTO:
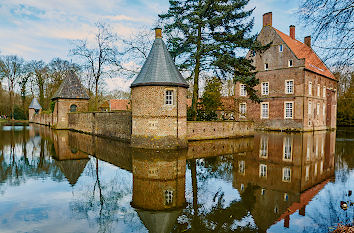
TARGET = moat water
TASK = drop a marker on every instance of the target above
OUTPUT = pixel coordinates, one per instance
(63, 181)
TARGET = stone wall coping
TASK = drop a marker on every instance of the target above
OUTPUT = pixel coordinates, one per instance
(219, 121)
(116, 111)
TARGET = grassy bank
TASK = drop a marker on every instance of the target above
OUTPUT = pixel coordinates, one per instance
(13, 121)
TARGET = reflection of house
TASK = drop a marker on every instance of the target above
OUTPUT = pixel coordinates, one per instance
(159, 188)
(71, 161)
(289, 170)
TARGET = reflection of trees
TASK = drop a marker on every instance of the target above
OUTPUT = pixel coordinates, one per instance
(219, 218)
(102, 201)
(16, 166)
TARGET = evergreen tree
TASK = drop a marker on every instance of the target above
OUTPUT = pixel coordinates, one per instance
(210, 35)
(211, 99)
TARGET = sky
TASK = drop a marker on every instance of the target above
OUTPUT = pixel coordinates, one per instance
(45, 29)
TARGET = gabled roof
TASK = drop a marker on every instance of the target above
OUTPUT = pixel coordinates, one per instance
(159, 221)
(159, 69)
(71, 88)
(302, 51)
(35, 104)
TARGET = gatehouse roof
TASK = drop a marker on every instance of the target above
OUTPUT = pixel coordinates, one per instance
(159, 68)
(71, 88)
(35, 104)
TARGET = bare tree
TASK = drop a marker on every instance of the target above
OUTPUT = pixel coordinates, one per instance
(332, 22)
(98, 57)
(40, 76)
(10, 69)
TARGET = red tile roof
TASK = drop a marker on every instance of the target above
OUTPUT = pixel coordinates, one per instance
(312, 61)
(119, 104)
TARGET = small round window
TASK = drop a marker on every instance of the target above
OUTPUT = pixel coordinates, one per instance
(73, 108)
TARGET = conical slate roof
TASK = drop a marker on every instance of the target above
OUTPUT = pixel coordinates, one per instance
(159, 221)
(159, 68)
(35, 104)
(72, 169)
(71, 88)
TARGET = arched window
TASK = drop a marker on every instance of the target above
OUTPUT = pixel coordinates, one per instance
(73, 108)
(168, 197)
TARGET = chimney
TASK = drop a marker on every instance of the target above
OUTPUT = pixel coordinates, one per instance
(292, 32)
(158, 33)
(267, 19)
(307, 41)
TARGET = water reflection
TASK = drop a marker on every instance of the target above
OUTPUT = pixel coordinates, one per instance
(269, 182)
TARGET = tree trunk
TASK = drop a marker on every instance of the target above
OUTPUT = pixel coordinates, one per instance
(196, 75)
(96, 94)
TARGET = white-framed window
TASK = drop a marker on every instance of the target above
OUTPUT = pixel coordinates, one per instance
(309, 108)
(266, 66)
(265, 88)
(324, 109)
(290, 63)
(321, 167)
(324, 92)
(168, 197)
(287, 149)
(288, 110)
(286, 197)
(315, 170)
(243, 109)
(308, 151)
(264, 110)
(318, 109)
(318, 90)
(242, 187)
(310, 88)
(280, 48)
(169, 97)
(286, 174)
(307, 174)
(241, 167)
(262, 192)
(322, 146)
(263, 147)
(263, 170)
(316, 147)
(243, 91)
(289, 86)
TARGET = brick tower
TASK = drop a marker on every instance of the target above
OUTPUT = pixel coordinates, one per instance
(159, 108)
(70, 97)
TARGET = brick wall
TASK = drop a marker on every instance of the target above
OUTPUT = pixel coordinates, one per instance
(108, 124)
(199, 130)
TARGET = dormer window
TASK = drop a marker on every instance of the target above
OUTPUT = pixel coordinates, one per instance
(169, 97)
(265, 66)
(290, 63)
(281, 48)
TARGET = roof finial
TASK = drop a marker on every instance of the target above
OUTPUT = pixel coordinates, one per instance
(158, 32)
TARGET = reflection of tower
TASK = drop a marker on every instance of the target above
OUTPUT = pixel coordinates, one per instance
(158, 187)
(290, 169)
(70, 161)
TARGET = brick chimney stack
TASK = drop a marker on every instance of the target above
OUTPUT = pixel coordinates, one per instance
(158, 33)
(307, 41)
(267, 19)
(292, 32)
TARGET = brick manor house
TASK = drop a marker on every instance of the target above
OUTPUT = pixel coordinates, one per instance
(297, 90)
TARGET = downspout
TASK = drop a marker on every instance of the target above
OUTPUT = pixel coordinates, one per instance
(303, 103)
(177, 117)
